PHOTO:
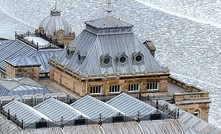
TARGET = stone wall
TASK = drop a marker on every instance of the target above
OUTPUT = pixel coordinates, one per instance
(79, 86)
(31, 72)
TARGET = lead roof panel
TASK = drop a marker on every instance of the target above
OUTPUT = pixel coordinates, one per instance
(93, 107)
(15, 48)
(24, 112)
(107, 22)
(96, 45)
(130, 105)
(22, 61)
(56, 109)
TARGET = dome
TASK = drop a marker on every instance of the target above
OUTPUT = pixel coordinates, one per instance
(53, 23)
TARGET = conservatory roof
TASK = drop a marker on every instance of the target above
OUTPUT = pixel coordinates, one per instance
(93, 107)
(24, 112)
(56, 110)
(131, 106)
(21, 86)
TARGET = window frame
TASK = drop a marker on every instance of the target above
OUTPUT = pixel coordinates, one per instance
(118, 87)
(95, 89)
(152, 84)
(133, 85)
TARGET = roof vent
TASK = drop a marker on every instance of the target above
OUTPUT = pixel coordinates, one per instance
(81, 57)
(122, 59)
(70, 51)
(105, 61)
(138, 58)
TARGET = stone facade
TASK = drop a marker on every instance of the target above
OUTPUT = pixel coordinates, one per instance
(59, 39)
(24, 71)
(83, 87)
(194, 100)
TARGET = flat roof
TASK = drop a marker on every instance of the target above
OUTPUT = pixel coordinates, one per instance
(41, 42)
(171, 88)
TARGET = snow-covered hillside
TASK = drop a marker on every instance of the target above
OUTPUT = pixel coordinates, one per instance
(191, 50)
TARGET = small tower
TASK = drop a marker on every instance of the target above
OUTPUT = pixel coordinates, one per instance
(55, 29)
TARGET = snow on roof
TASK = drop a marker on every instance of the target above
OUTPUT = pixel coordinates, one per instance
(37, 40)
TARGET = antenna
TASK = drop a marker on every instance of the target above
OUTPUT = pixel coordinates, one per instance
(108, 8)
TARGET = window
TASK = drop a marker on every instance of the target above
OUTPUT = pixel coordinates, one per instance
(196, 113)
(95, 90)
(133, 87)
(105, 61)
(122, 58)
(138, 58)
(114, 89)
(152, 86)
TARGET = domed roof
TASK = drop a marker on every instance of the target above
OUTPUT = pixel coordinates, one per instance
(53, 23)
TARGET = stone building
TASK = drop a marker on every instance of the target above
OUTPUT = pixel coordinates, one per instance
(107, 59)
(22, 67)
(55, 29)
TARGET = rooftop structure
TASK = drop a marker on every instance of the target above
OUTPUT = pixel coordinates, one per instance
(96, 109)
(106, 59)
(60, 111)
(14, 111)
(16, 54)
(25, 114)
(131, 106)
(20, 87)
(55, 29)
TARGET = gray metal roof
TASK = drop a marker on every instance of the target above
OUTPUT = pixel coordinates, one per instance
(3, 91)
(27, 90)
(113, 44)
(21, 86)
(193, 122)
(53, 23)
(168, 126)
(124, 128)
(24, 112)
(108, 22)
(130, 105)
(15, 48)
(93, 107)
(22, 61)
(56, 109)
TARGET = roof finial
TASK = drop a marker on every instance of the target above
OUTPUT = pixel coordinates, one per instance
(55, 6)
(108, 8)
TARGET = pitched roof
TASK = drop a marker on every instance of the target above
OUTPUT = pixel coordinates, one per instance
(130, 105)
(15, 48)
(192, 121)
(108, 22)
(59, 109)
(21, 86)
(24, 112)
(114, 44)
(22, 61)
(93, 107)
